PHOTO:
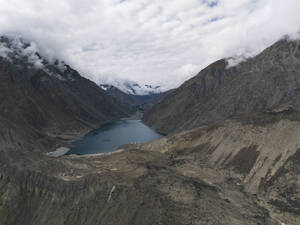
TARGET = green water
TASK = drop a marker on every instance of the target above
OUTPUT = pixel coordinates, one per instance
(107, 138)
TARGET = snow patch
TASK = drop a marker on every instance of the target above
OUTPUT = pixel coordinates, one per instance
(131, 87)
(137, 89)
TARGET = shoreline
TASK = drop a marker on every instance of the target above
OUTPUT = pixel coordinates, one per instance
(65, 145)
(96, 154)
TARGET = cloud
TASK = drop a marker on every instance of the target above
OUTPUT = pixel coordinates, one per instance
(15, 47)
(149, 41)
(4, 50)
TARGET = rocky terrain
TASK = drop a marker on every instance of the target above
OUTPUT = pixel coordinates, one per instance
(242, 171)
(219, 92)
(238, 166)
(258, 152)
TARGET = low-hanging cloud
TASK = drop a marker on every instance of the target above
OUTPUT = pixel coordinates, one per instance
(149, 41)
(16, 47)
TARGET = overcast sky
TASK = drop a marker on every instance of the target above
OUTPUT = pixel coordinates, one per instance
(150, 41)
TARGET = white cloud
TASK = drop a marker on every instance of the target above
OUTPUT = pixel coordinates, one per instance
(149, 41)
(18, 48)
(4, 50)
(185, 72)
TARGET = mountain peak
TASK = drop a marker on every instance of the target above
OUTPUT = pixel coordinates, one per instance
(133, 88)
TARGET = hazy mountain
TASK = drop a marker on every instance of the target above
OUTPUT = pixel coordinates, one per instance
(134, 101)
(133, 88)
(269, 80)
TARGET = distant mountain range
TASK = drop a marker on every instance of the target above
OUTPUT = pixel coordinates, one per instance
(144, 102)
(133, 88)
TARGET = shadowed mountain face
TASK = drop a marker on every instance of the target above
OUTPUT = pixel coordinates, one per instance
(48, 98)
(266, 81)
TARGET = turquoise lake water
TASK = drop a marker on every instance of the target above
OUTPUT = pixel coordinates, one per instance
(110, 136)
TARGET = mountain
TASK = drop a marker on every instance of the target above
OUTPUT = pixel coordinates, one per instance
(256, 155)
(243, 170)
(43, 98)
(134, 101)
(133, 88)
(220, 91)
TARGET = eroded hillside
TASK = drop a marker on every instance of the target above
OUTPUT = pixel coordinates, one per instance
(260, 152)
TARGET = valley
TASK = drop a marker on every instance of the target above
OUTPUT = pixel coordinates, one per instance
(231, 155)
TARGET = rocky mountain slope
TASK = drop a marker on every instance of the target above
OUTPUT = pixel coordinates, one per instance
(241, 171)
(219, 92)
(133, 187)
(258, 152)
(48, 98)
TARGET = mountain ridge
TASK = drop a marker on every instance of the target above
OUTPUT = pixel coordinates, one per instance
(219, 92)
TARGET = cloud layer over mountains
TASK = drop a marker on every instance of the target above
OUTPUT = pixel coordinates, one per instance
(149, 41)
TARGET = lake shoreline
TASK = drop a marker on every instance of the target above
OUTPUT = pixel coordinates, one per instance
(113, 135)
(70, 138)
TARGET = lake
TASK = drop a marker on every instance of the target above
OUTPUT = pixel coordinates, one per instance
(110, 136)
